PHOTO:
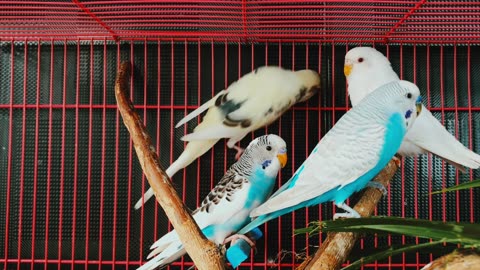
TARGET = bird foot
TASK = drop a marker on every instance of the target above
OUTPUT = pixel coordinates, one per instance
(240, 151)
(345, 215)
(397, 161)
(350, 213)
(235, 237)
(375, 184)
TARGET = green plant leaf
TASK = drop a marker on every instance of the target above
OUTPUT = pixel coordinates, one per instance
(436, 250)
(467, 185)
(463, 233)
(390, 252)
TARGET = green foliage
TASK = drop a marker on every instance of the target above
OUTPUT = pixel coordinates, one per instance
(465, 234)
(391, 251)
(463, 186)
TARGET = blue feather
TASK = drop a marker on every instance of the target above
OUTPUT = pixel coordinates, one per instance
(261, 187)
(395, 131)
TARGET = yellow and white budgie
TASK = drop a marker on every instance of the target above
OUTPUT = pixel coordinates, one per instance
(254, 101)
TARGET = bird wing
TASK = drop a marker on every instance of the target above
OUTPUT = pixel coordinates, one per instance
(200, 109)
(346, 153)
(255, 100)
(221, 204)
(429, 134)
(224, 200)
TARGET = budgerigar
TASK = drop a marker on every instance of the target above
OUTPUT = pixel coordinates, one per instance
(255, 100)
(226, 209)
(366, 69)
(357, 148)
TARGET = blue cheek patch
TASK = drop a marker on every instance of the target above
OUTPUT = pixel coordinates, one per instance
(266, 163)
(408, 114)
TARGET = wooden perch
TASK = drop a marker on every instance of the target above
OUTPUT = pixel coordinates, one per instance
(457, 260)
(204, 253)
(337, 246)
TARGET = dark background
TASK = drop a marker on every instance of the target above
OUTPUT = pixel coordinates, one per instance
(61, 136)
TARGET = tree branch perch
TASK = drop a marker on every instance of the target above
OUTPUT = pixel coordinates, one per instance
(464, 259)
(204, 253)
(337, 246)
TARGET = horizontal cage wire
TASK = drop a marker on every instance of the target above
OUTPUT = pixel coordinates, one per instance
(340, 21)
(69, 175)
(79, 177)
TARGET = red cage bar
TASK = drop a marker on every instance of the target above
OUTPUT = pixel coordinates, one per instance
(68, 173)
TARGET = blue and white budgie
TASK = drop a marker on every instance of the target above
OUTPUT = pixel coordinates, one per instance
(356, 149)
(366, 69)
(226, 209)
(254, 101)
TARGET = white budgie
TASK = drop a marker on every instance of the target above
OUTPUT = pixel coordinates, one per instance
(226, 209)
(255, 100)
(366, 69)
(356, 149)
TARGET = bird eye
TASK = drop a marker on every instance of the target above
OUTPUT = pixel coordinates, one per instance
(269, 148)
(360, 60)
(409, 95)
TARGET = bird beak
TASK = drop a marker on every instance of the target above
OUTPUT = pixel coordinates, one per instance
(282, 157)
(347, 69)
(419, 105)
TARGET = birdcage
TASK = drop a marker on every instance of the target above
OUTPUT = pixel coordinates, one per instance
(69, 175)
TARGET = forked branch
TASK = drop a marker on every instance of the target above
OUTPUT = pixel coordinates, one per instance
(204, 253)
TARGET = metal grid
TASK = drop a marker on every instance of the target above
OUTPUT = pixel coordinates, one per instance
(71, 176)
(68, 172)
(255, 20)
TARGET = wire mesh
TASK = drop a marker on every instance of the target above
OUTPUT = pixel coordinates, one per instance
(393, 21)
(68, 172)
(70, 176)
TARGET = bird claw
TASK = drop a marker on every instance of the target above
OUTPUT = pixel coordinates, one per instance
(375, 184)
(350, 213)
(235, 237)
(345, 215)
(397, 161)
(240, 151)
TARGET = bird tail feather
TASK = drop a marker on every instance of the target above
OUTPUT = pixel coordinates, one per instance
(192, 151)
(214, 132)
(200, 109)
(262, 219)
(444, 144)
(163, 257)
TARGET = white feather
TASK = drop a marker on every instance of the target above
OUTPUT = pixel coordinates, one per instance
(427, 134)
(225, 208)
(260, 92)
(351, 149)
(443, 144)
(169, 248)
(200, 109)
(348, 151)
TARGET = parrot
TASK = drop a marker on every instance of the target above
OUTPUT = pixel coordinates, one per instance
(245, 185)
(344, 161)
(255, 100)
(367, 69)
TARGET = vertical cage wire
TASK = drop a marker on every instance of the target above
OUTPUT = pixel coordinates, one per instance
(71, 174)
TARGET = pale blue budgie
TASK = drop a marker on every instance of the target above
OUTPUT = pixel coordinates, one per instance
(357, 148)
(366, 69)
(226, 209)
(254, 101)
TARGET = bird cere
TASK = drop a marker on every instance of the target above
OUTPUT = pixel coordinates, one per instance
(387, 120)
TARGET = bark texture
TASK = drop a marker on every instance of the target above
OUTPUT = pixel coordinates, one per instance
(205, 254)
